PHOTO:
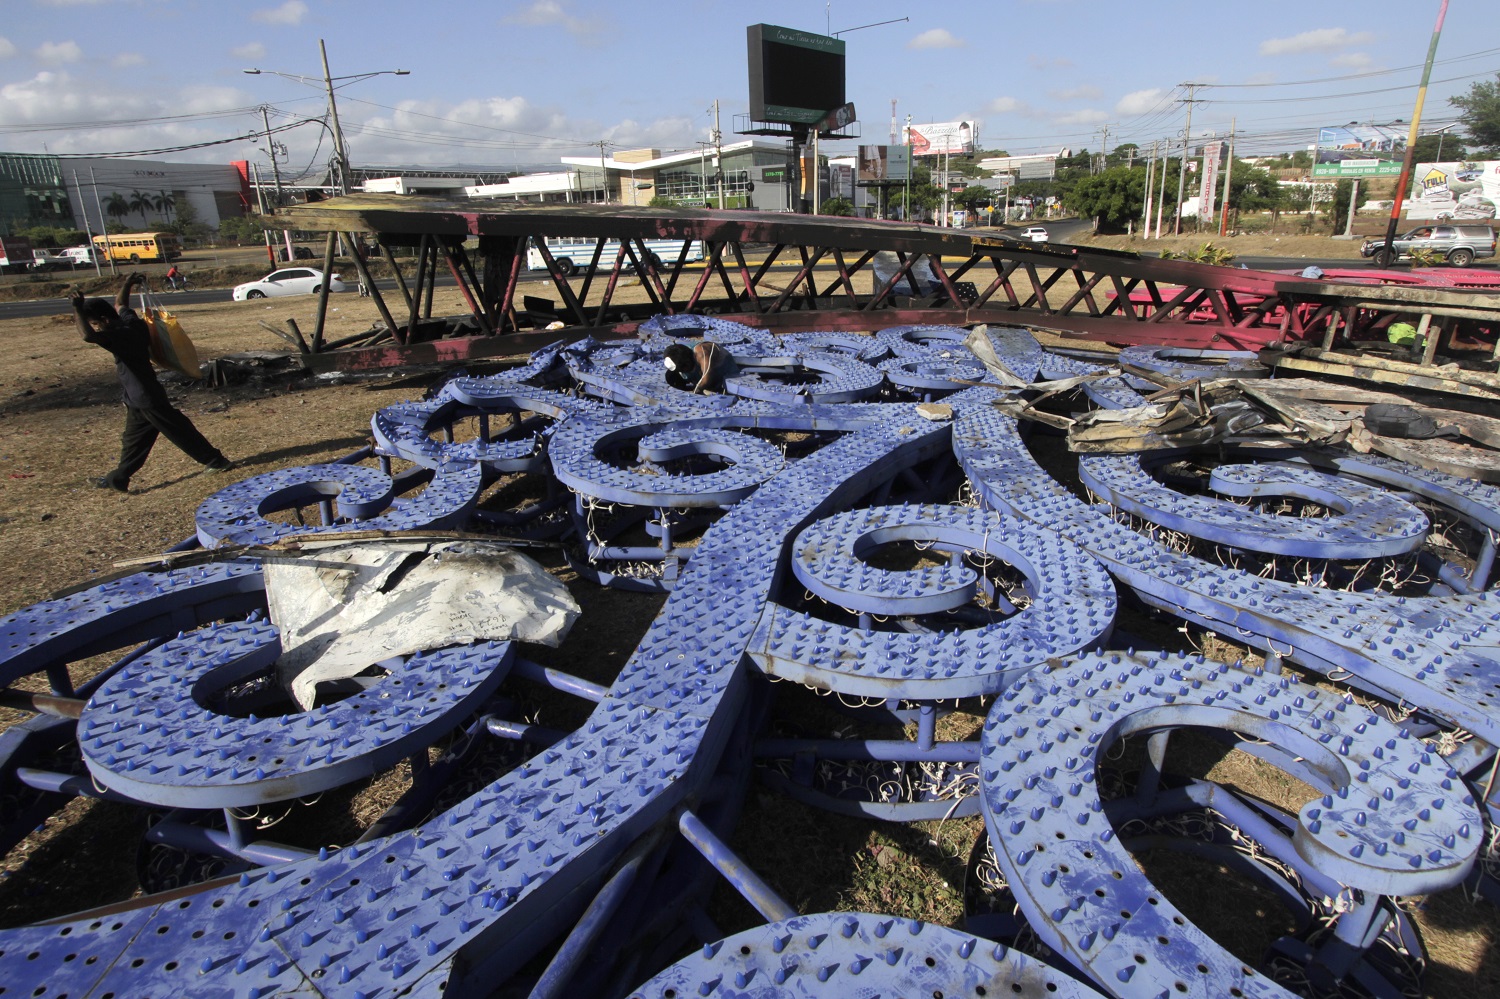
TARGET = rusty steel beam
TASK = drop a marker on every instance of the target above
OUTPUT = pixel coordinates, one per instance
(827, 278)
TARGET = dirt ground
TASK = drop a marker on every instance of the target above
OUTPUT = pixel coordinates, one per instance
(59, 424)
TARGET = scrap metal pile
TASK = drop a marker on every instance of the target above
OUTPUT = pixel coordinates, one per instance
(861, 515)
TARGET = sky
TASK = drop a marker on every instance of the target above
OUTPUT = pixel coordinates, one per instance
(521, 83)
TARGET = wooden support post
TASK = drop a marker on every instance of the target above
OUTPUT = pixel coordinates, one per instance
(451, 256)
(415, 304)
(1333, 330)
(390, 258)
(1429, 343)
(432, 266)
(317, 338)
(369, 283)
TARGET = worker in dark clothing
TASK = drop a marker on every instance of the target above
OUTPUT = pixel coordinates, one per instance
(702, 368)
(148, 411)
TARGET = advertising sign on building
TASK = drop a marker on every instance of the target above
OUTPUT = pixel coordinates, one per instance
(955, 137)
(883, 164)
(1458, 190)
(1213, 154)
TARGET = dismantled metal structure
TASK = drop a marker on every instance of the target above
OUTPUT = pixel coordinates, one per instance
(582, 864)
(791, 273)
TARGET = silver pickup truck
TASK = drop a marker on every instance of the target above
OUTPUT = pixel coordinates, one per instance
(1460, 245)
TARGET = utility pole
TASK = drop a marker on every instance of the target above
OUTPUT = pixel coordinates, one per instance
(84, 209)
(1150, 175)
(1229, 176)
(1161, 189)
(718, 154)
(1187, 141)
(338, 133)
(906, 205)
(109, 248)
(894, 134)
(603, 173)
(265, 118)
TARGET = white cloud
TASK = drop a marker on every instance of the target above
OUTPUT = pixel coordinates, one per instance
(290, 13)
(7, 47)
(127, 59)
(1057, 62)
(249, 51)
(549, 13)
(1139, 101)
(1086, 92)
(1006, 105)
(57, 53)
(1316, 40)
(937, 38)
(1086, 116)
(1352, 60)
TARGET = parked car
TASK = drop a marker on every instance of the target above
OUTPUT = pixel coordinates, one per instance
(80, 255)
(1460, 245)
(1035, 233)
(298, 253)
(287, 281)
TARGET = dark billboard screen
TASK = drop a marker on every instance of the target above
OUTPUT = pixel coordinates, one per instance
(795, 76)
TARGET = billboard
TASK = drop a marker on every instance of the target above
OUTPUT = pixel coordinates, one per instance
(1358, 168)
(883, 164)
(1213, 155)
(1359, 142)
(941, 137)
(1456, 190)
(796, 77)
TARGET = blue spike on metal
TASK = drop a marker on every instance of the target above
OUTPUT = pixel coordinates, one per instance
(1084, 894)
(837, 954)
(149, 732)
(1435, 652)
(472, 894)
(1072, 606)
(365, 498)
(1365, 523)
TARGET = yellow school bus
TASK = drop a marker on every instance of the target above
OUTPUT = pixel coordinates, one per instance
(138, 246)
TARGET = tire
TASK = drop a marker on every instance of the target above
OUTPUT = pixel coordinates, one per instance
(135, 258)
(1383, 257)
(1461, 257)
(655, 261)
(255, 293)
(317, 289)
(565, 267)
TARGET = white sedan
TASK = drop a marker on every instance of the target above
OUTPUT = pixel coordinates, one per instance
(287, 281)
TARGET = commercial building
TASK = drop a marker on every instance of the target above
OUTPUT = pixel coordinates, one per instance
(86, 192)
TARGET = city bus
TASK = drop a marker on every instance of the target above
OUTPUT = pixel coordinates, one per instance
(139, 246)
(573, 254)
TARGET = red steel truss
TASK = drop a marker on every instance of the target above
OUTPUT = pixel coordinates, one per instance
(797, 273)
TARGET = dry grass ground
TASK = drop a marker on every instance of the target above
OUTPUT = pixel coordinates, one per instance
(59, 424)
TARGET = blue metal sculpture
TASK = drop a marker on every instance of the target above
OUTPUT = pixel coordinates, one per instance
(794, 487)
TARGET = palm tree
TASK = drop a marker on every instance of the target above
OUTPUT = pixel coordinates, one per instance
(164, 203)
(140, 203)
(117, 206)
